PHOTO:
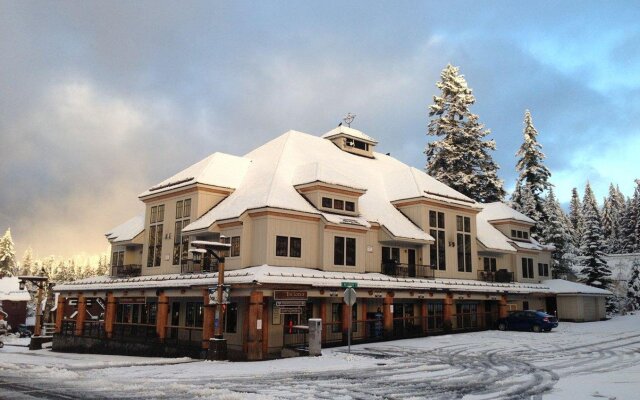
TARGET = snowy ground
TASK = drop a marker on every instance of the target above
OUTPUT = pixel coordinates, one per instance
(599, 360)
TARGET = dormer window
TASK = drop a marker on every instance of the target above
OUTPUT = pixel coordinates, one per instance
(352, 141)
(516, 234)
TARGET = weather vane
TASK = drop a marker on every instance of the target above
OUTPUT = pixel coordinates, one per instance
(349, 119)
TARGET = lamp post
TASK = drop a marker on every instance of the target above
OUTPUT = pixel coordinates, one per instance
(40, 281)
(217, 345)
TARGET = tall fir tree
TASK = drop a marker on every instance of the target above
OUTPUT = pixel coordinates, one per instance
(594, 267)
(576, 218)
(27, 262)
(633, 287)
(533, 174)
(612, 219)
(7, 255)
(461, 159)
(555, 232)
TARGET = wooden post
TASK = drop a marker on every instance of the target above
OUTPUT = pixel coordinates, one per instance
(345, 322)
(37, 330)
(423, 314)
(323, 316)
(387, 314)
(219, 329)
(265, 328)
(82, 314)
(502, 306)
(254, 337)
(207, 320)
(447, 312)
(163, 315)
(110, 315)
(481, 315)
(60, 313)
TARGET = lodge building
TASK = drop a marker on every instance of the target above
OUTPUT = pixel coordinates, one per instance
(306, 216)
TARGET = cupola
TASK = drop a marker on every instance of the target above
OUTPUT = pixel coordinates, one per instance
(352, 141)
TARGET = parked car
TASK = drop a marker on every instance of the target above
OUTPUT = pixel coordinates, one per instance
(529, 320)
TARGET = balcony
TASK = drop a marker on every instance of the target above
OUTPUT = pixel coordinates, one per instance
(197, 267)
(126, 271)
(408, 270)
(500, 276)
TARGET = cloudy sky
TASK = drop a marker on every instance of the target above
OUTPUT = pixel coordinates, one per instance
(99, 101)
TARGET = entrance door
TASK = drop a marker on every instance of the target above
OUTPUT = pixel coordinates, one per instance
(551, 305)
(412, 262)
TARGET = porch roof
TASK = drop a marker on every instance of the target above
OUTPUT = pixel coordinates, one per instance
(268, 274)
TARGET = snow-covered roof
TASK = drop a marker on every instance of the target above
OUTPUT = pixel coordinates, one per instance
(267, 274)
(532, 245)
(490, 237)
(10, 290)
(345, 130)
(218, 169)
(561, 286)
(279, 165)
(498, 211)
(320, 172)
(126, 231)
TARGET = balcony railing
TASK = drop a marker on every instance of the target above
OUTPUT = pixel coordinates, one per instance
(501, 276)
(124, 271)
(408, 270)
(191, 267)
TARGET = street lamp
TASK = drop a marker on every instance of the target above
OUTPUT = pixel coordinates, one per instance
(40, 281)
(217, 345)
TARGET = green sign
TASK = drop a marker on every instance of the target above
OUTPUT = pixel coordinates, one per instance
(349, 284)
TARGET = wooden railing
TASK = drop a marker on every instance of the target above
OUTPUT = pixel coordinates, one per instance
(191, 267)
(136, 332)
(184, 335)
(501, 276)
(123, 271)
(408, 270)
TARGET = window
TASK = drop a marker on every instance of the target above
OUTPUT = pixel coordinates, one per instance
(543, 269)
(489, 264)
(519, 234)
(295, 247)
(527, 267)
(344, 251)
(231, 318)
(154, 246)
(180, 241)
(186, 210)
(463, 238)
(117, 259)
(349, 206)
(282, 245)
(435, 315)
(288, 246)
(194, 314)
(178, 209)
(437, 254)
(336, 317)
(327, 202)
(235, 246)
(390, 254)
(338, 204)
(360, 145)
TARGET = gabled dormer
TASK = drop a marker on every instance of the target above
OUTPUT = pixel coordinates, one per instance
(352, 141)
(327, 189)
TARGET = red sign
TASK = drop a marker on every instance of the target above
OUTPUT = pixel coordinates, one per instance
(290, 294)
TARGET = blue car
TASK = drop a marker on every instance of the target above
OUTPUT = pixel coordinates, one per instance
(536, 321)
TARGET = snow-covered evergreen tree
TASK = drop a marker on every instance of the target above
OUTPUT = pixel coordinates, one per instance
(633, 287)
(27, 262)
(7, 255)
(576, 218)
(461, 159)
(532, 172)
(632, 223)
(612, 219)
(594, 267)
(555, 232)
(103, 266)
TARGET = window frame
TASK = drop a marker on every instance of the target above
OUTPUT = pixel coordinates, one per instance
(437, 251)
(527, 268)
(463, 243)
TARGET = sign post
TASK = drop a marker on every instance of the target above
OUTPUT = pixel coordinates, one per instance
(350, 299)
